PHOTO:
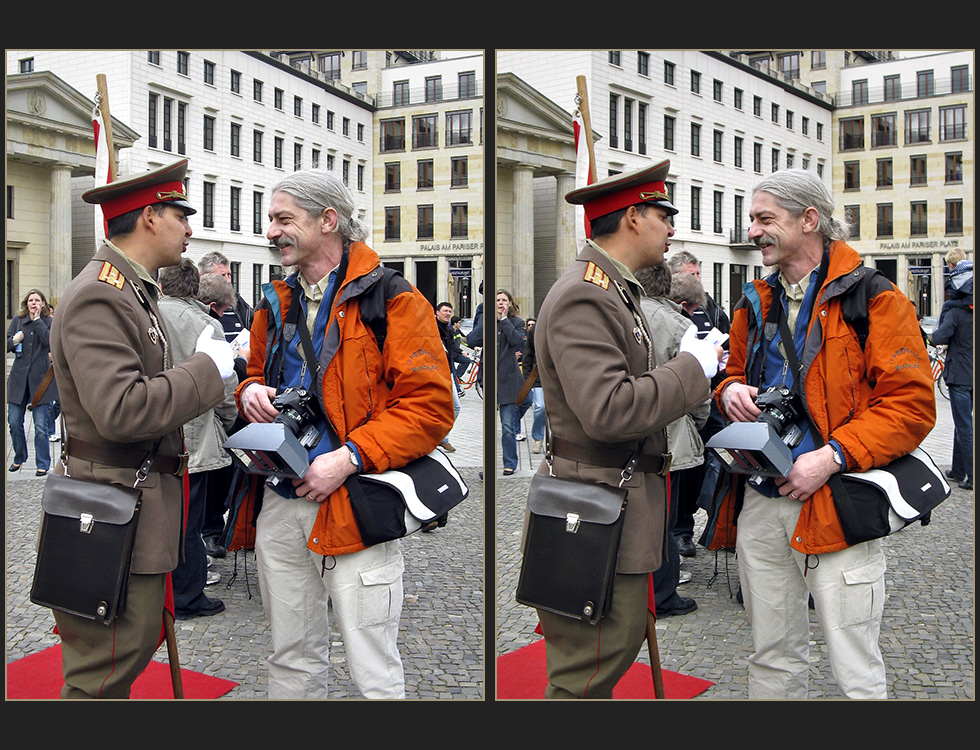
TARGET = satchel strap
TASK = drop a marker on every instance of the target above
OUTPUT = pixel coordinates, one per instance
(128, 459)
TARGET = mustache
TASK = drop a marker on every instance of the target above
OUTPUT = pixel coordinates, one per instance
(281, 242)
(761, 242)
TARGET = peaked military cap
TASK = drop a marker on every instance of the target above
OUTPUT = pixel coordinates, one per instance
(164, 185)
(644, 185)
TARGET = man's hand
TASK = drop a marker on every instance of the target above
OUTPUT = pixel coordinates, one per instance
(738, 400)
(810, 471)
(218, 350)
(327, 472)
(257, 403)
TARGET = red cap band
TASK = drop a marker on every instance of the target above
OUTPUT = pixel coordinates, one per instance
(162, 192)
(650, 192)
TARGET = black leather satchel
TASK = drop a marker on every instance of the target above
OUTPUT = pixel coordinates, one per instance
(572, 543)
(85, 548)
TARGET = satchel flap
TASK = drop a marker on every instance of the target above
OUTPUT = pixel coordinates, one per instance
(429, 485)
(592, 503)
(913, 484)
(69, 497)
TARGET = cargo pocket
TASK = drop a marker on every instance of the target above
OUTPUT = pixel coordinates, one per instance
(863, 594)
(380, 593)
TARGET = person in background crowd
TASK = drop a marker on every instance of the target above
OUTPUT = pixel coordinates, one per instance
(528, 362)
(186, 319)
(510, 339)
(955, 330)
(29, 338)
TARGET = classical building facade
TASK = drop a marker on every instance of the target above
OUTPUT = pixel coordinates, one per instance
(244, 120)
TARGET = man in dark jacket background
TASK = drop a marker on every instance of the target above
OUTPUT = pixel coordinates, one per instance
(955, 329)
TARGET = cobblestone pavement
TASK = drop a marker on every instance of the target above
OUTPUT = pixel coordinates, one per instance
(927, 635)
(442, 635)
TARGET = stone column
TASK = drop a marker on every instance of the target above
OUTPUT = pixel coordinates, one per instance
(522, 279)
(59, 250)
(565, 249)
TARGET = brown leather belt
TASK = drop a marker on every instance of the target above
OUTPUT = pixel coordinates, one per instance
(613, 458)
(125, 458)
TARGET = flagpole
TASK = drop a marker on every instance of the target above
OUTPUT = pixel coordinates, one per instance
(652, 647)
(103, 103)
(583, 95)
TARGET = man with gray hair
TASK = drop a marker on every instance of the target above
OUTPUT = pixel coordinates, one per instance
(857, 409)
(379, 404)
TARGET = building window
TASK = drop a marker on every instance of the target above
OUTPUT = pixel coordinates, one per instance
(209, 72)
(426, 174)
(818, 59)
(257, 213)
(954, 167)
(459, 171)
(695, 82)
(208, 212)
(789, 64)
(738, 98)
(852, 133)
(757, 106)
(852, 215)
(151, 119)
(696, 208)
(917, 170)
(277, 98)
(893, 88)
(424, 131)
(738, 151)
(152, 57)
(614, 58)
(628, 124)
(181, 128)
(717, 139)
(716, 90)
(425, 227)
(257, 94)
(168, 105)
(236, 137)
(236, 82)
(433, 88)
(392, 135)
(668, 133)
(393, 228)
(393, 177)
(235, 216)
(315, 158)
(297, 157)
(884, 173)
(298, 106)
(885, 227)
(257, 146)
(918, 221)
(277, 153)
(459, 128)
(852, 175)
(668, 73)
(757, 157)
(925, 84)
(401, 94)
(739, 226)
(917, 126)
(613, 121)
(954, 216)
(884, 131)
(208, 133)
(183, 63)
(329, 65)
(643, 63)
(641, 127)
(959, 79)
(789, 120)
(467, 85)
(775, 113)
(719, 198)
(775, 159)
(805, 125)
(859, 92)
(695, 139)
(459, 220)
(952, 123)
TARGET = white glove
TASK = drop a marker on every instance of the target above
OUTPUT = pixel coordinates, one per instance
(218, 351)
(703, 351)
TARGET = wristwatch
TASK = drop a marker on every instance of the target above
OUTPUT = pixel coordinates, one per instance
(835, 452)
(353, 457)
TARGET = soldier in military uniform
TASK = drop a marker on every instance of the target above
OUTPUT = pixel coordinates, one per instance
(604, 393)
(120, 394)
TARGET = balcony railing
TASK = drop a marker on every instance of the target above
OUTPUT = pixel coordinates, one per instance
(448, 92)
(905, 92)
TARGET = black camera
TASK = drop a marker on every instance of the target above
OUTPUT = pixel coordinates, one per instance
(279, 448)
(762, 448)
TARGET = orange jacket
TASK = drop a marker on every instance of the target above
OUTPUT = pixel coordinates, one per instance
(878, 404)
(395, 406)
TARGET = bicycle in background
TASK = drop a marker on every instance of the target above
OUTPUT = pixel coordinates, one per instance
(937, 361)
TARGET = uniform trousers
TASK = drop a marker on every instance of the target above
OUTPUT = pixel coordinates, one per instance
(586, 661)
(848, 589)
(364, 589)
(103, 661)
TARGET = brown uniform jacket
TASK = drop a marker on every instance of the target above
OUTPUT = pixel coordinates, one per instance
(600, 393)
(117, 394)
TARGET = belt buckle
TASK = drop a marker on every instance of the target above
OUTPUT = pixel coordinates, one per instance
(184, 461)
(668, 459)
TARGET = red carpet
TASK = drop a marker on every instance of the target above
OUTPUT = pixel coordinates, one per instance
(39, 677)
(523, 674)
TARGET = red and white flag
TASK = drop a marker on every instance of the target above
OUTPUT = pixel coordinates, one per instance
(102, 157)
(583, 177)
